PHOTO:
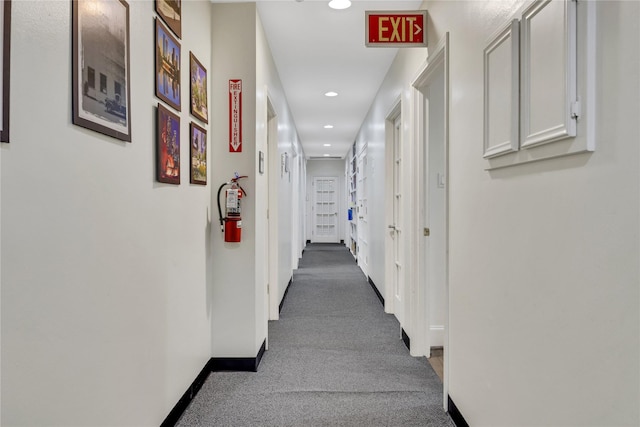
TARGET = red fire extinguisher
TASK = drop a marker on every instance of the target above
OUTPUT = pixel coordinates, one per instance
(231, 223)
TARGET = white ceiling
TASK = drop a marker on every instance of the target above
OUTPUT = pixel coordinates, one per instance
(318, 49)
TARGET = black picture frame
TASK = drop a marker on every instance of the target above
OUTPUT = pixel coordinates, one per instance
(5, 21)
(167, 68)
(102, 91)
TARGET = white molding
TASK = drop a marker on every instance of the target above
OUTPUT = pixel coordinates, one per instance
(565, 126)
(394, 114)
(437, 62)
(586, 93)
(507, 36)
(437, 335)
(272, 203)
(439, 57)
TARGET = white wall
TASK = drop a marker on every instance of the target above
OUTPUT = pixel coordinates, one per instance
(269, 86)
(549, 259)
(105, 272)
(544, 272)
(234, 297)
(326, 168)
(396, 85)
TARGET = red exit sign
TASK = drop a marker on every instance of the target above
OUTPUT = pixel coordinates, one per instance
(396, 29)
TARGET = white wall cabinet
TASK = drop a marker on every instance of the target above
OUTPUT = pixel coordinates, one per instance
(502, 92)
(548, 80)
(531, 92)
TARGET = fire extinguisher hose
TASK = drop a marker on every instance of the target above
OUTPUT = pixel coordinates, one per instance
(220, 208)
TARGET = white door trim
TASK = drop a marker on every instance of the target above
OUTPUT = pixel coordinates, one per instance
(333, 206)
(272, 212)
(438, 61)
(390, 234)
(362, 199)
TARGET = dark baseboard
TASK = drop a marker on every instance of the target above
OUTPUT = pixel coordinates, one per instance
(375, 289)
(455, 414)
(240, 364)
(263, 348)
(285, 294)
(406, 339)
(214, 364)
(187, 397)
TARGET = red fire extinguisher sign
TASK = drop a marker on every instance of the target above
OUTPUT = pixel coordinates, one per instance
(235, 116)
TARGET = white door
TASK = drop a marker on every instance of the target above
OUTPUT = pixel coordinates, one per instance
(396, 226)
(363, 212)
(431, 261)
(325, 210)
(434, 210)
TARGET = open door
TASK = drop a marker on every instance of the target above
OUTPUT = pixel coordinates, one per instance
(430, 318)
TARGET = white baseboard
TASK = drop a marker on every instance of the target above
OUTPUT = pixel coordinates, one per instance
(436, 335)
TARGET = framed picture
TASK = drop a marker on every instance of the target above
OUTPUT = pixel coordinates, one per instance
(198, 86)
(198, 154)
(5, 22)
(167, 66)
(101, 82)
(171, 12)
(168, 146)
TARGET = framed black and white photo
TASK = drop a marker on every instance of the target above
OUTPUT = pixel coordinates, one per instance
(101, 82)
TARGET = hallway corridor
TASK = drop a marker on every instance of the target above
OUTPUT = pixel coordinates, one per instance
(334, 359)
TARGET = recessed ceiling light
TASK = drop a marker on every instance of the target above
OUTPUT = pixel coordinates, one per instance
(327, 145)
(328, 126)
(339, 4)
(331, 93)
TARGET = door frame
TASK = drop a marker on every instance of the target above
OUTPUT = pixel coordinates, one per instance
(437, 60)
(272, 212)
(361, 176)
(394, 115)
(314, 236)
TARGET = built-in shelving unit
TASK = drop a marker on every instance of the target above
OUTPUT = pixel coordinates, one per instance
(351, 180)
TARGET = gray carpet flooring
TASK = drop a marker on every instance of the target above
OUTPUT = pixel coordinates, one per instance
(334, 359)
